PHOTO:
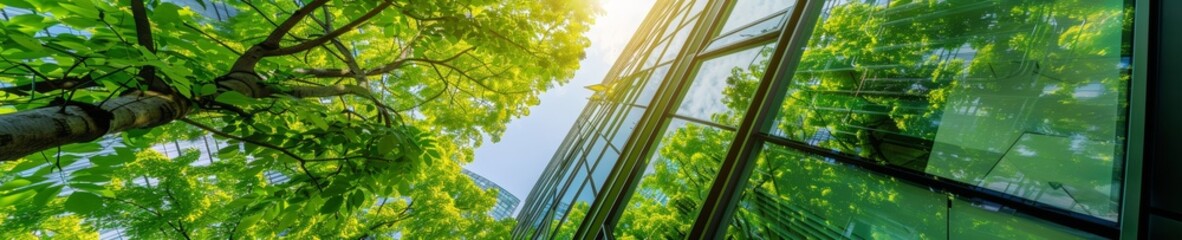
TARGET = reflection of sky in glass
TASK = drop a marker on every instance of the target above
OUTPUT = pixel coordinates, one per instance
(704, 97)
(650, 87)
(768, 25)
(747, 11)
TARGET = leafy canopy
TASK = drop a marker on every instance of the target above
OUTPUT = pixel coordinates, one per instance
(304, 119)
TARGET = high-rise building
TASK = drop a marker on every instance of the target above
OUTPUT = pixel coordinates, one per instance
(762, 119)
(506, 202)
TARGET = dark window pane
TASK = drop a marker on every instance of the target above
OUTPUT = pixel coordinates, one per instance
(1023, 97)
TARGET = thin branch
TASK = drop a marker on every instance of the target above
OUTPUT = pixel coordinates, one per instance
(143, 36)
(303, 46)
(257, 143)
(272, 40)
(219, 41)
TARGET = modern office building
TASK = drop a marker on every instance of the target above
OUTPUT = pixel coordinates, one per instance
(952, 119)
(506, 202)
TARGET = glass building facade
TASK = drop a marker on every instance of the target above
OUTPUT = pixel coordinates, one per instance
(506, 202)
(762, 119)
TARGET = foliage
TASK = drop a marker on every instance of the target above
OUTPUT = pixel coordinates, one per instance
(334, 119)
(928, 86)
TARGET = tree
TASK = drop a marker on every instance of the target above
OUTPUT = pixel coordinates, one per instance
(362, 107)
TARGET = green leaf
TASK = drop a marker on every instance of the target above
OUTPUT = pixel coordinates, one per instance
(15, 198)
(17, 3)
(166, 13)
(388, 143)
(332, 205)
(15, 183)
(26, 165)
(26, 41)
(249, 221)
(87, 186)
(240, 202)
(208, 89)
(90, 178)
(44, 196)
(82, 8)
(356, 199)
(83, 202)
(235, 98)
(122, 154)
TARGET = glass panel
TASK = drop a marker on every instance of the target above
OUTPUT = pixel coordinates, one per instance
(563, 208)
(988, 221)
(791, 195)
(722, 87)
(768, 25)
(604, 167)
(621, 137)
(650, 86)
(675, 183)
(746, 11)
(1024, 97)
(654, 56)
(676, 43)
(575, 217)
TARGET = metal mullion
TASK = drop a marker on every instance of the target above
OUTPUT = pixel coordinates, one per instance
(647, 28)
(1135, 205)
(609, 204)
(565, 183)
(550, 185)
(740, 44)
(563, 147)
(567, 214)
(732, 176)
(618, 123)
(703, 122)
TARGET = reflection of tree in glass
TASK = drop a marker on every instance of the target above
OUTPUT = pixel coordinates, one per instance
(909, 83)
(950, 88)
(573, 219)
(670, 196)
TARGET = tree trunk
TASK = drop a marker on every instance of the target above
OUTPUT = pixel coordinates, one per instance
(26, 132)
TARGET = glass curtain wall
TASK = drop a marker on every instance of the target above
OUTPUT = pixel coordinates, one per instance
(898, 119)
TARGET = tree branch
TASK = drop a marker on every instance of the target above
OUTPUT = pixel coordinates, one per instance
(143, 36)
(257, 143)
(303, 46)
(67, 83)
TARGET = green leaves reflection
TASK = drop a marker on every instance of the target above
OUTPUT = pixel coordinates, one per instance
(1021, 97)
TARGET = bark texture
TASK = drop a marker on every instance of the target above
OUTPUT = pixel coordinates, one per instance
(26, 132)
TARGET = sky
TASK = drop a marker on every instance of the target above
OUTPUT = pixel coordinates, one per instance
(516, 162)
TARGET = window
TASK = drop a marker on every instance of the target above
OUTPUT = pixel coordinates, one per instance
(797, 195)
(722, 87)
(1021, 97)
